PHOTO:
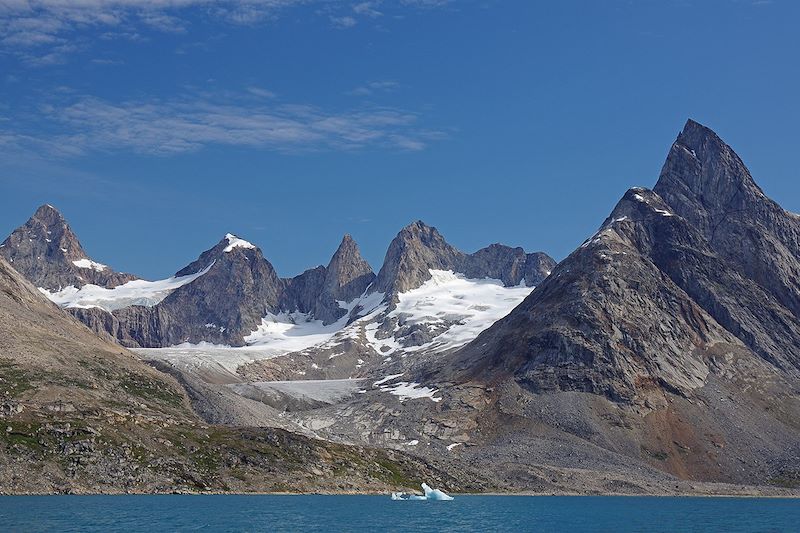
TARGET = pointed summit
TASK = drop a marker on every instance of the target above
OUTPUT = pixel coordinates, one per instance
(227, 244)
(416, 249)
(705, 182)
(706, 176)
(47, 212)
(48, 253)
(319, 290)
(348, 274)
(222, 306)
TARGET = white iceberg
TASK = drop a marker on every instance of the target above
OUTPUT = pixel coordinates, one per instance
(430, 494)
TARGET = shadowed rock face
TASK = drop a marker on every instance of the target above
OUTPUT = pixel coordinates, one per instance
(510, 265)
(221, 306)
(418, 248)
(224, 304)
(347, 277)
(656, 299)
(317, 291)
(240, 286)
(45, 250)
(705, 182)
(228, 302)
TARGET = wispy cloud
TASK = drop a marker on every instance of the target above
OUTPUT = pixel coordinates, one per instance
(261, 92)
(79, 125)
(374, 87)
(47, 31)
(344, 22)
(367, 9)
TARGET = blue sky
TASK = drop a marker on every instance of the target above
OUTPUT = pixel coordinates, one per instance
(156, 126)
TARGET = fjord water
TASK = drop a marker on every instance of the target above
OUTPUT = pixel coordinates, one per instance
(379, 513)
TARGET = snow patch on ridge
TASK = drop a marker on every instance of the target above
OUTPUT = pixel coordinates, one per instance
(89, 264)
(136, 292)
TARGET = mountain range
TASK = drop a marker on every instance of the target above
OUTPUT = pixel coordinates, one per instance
(661, 356)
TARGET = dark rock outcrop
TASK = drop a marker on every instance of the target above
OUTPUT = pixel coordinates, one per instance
(47, 253)
(655, 297)
(705, 182)
(222, 306)
(510, 265)
(418, 248)
(317, 291)
(229, 300)
(659, 337)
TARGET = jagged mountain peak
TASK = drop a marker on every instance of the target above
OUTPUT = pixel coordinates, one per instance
(49, 214)
(347, 241)
(415, 250)
(47, 252)
(318, 291)
(705, 171)
(347, 248)
(236, 242)
(421, 230)
(348, 274)
(228, 244)
(705, 182)
(663, 261)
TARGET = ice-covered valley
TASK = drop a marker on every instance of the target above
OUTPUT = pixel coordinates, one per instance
(449, 307)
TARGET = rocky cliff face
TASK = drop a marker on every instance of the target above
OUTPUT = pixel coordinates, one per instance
(318, 291)
(227, 302)
(510, 265)
(47, 252)
(420, 248)
(705, 182)
(428, 299)
(239, 287)
(224, 294)
(83, 415)
(660, 315)
(347, 277)
(416, 249)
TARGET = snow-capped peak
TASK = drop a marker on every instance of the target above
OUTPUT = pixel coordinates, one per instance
(236, 242)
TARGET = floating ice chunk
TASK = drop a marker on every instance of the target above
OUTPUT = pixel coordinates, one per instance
(430, 494)
(435, 494)
(404, 496)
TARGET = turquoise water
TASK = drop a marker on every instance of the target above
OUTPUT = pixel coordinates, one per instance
(379, 513)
